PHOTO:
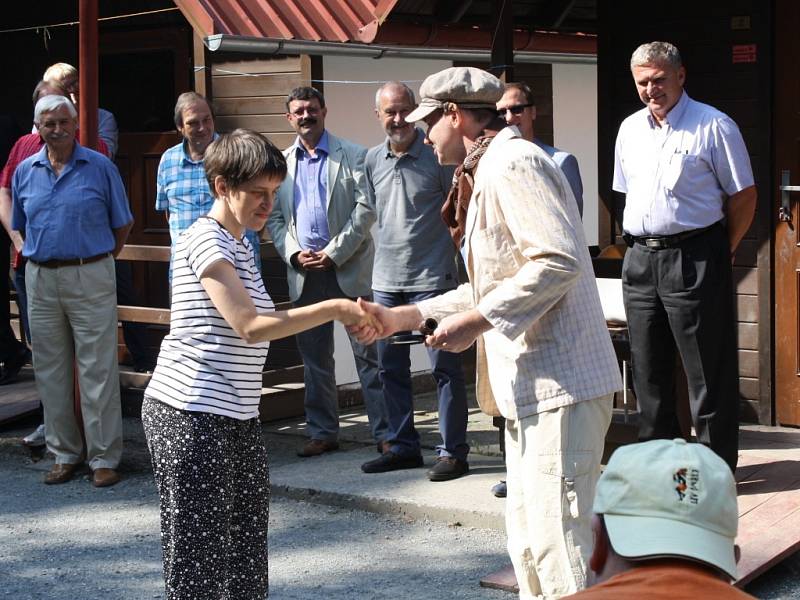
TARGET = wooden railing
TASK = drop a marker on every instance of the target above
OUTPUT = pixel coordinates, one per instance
(283, 382)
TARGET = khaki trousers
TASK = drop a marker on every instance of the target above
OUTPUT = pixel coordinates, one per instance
(73, 317)
(553, 462)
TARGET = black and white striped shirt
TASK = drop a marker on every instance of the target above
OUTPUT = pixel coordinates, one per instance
(203, 364)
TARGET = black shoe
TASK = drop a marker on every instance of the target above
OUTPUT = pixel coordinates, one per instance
(447, 468)
(391, 462)
(13, 365)
(500, 489)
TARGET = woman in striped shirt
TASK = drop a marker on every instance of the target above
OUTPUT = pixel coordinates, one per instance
(200, 411)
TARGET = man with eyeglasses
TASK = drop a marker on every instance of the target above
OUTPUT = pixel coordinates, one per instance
(518, 107)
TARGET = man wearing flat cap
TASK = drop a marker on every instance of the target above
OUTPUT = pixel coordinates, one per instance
(664, 525)
(531, 295)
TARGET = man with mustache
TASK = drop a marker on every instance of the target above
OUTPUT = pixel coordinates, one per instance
(321, 228)
(414, 260)
(70, 207)
(689, 200)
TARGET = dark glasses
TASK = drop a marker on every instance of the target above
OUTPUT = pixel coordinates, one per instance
(515, 110)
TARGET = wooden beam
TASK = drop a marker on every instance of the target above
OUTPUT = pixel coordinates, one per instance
(144, 253)
(202, 66)
(143, 314)
(87, 72)
(502, 61)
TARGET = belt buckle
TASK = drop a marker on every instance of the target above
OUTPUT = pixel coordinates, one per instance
(655, 243)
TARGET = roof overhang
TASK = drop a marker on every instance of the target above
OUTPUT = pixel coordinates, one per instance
(315, 20)
(359, 28)
(266, 46)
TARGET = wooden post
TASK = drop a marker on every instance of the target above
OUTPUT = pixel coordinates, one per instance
(502, 62)
(87, 118)
(87, 69)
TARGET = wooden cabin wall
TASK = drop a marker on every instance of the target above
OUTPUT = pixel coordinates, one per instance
(708, 35)
(250, 91)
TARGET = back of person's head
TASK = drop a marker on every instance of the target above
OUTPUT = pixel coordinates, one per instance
(669, 499)
(59, 72)
(47, 104)
(305, 92)
(241, 156)
(46, 88)
(187, 99)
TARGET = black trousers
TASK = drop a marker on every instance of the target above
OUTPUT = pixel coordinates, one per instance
(682, 298)
(10, 346)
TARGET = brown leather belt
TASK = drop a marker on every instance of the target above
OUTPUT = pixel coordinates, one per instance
(69, 262)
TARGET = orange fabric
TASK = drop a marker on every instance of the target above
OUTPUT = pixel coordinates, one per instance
(664, 580)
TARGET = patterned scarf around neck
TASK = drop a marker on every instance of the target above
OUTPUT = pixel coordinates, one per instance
(454, 209)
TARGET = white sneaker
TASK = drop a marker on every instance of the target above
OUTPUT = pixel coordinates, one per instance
(36, 438)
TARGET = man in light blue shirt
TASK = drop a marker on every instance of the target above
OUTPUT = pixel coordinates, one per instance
(70, 206)
(181, 185)
(689, 200)
(517, 107)
(320, 226)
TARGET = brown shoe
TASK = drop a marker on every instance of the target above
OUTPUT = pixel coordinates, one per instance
(60, 473)
(104, 477)
(317, 447)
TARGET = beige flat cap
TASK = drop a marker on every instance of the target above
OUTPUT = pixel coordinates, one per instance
(467, 87)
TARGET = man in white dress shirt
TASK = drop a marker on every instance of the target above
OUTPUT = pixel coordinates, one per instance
(689, 200)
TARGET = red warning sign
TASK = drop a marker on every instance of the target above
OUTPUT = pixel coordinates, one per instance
(744, 53)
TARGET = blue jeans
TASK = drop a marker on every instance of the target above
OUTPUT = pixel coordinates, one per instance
(396, 377)
(319, 374)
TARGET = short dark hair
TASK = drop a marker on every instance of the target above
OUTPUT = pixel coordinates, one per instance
(185, 100)
(241, 156)
(47, 84)
(305, 92)
(485, 117)
(524, 89)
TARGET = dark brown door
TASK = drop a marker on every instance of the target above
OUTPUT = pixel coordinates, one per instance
(787, 214)
(141, 74)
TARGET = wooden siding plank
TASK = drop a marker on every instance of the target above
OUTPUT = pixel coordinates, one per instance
(746, 308)
(265, 85)
(749, 388)
(745, 280)
(143, 314)
(272, 105)
(747, 334)
(282, 64)
(276, 123)
(282, 140)
(748, 363)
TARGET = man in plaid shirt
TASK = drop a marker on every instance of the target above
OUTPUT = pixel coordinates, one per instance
(181, 186)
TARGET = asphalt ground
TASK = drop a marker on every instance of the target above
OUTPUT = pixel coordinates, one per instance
(76, 542)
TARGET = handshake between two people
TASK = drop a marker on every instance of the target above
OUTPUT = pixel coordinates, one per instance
(455, 333)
